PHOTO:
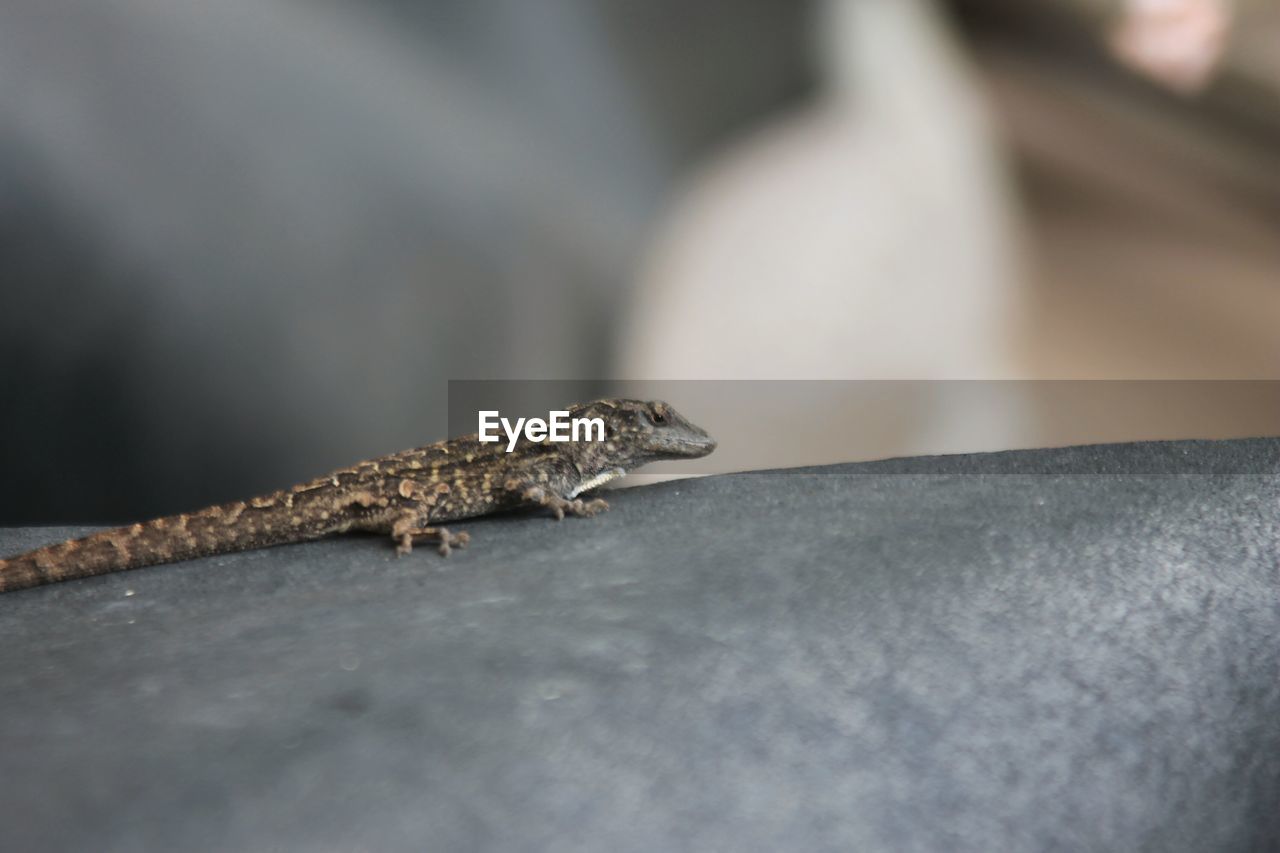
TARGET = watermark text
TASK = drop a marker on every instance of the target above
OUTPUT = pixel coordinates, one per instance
(557, 427)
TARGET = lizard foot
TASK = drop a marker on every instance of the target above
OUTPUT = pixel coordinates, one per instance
(587, 509)
(446, 539)
(560, 506)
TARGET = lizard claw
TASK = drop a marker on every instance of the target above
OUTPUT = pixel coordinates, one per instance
(579, 507)
(450, 540)
(586, 509)
(591, 507)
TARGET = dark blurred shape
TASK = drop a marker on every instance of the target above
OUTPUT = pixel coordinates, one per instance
(244, 242)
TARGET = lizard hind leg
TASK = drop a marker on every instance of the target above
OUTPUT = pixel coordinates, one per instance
(414, 522)
(409, 527)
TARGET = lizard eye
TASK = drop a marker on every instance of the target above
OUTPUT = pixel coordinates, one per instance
(659, 416)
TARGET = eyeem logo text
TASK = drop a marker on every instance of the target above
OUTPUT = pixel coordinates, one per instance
(557, 427)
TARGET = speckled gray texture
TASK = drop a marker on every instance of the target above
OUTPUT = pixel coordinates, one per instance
(865, 657)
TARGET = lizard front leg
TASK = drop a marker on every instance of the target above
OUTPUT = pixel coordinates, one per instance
(538, 495)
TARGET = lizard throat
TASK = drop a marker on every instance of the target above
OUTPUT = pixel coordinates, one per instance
(596, 481)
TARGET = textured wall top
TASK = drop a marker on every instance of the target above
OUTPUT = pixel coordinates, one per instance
(864, 657)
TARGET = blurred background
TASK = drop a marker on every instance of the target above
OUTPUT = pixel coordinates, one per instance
(245, 242)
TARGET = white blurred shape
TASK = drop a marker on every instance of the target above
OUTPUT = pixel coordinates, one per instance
(866, 236)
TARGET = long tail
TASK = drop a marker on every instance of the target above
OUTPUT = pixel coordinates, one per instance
(215, 530)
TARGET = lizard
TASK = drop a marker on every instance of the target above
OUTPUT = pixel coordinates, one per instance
(405, 495)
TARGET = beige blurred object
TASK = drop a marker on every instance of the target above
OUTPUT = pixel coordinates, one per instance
(1155, 238)
(1176, 42)
(1254, 52)
(868, 235)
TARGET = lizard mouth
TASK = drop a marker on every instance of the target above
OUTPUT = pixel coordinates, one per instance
(689, 445)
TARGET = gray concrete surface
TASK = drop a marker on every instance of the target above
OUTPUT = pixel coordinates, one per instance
(1042, 650)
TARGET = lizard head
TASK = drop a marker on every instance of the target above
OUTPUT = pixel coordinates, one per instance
(638, 432)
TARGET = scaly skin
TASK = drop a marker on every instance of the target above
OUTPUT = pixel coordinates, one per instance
(406, 495)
